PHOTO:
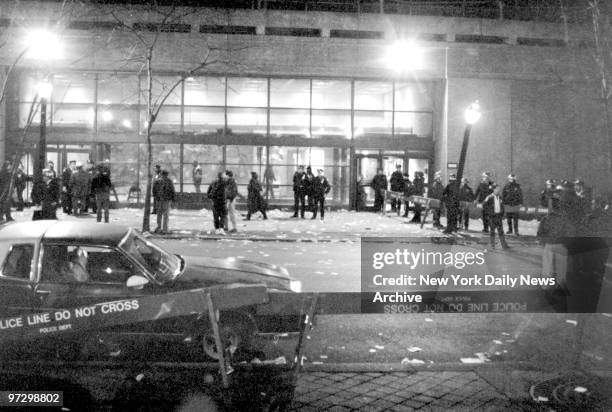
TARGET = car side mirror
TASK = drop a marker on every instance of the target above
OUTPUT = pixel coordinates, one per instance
(136, 282)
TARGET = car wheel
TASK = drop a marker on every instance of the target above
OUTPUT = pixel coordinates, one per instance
(236, 332)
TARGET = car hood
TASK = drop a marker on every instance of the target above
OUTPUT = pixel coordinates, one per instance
(205, 271)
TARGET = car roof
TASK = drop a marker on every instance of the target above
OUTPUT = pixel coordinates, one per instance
(52, 231)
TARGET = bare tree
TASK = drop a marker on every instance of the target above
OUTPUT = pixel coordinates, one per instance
(142, 50)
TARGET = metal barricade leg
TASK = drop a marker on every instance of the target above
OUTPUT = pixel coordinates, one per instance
(304, 329)
(214, 322)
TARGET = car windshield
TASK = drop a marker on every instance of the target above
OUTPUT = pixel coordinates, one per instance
(163, 265)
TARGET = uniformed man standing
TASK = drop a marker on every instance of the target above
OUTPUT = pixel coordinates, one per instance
(466, 194)
(450, 197)
(435, 192)
(484, 189)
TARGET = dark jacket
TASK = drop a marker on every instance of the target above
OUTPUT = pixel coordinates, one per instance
(466, 194)
(512, 194)
(548, 193)
(408, 187)
(165, 189)
(50, 199)
(216, 191)
(483, 190)
(436, 190)
(379, 182)
(397, 181)
(254, 198)
(489, 205)
(299, 182)
(66, 174)
(20, 181)
(231, 189)
(101, 183)
(419, 186)
(80, 182)
(309, 178)
(450, 196)
(320, 186)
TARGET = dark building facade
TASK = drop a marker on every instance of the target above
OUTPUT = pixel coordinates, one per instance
(289, 88)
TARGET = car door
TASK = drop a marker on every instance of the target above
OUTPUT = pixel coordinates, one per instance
(17, 289)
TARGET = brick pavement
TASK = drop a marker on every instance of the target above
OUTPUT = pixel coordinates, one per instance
(398, 391)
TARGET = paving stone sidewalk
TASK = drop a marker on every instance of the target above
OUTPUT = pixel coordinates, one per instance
(400, 391)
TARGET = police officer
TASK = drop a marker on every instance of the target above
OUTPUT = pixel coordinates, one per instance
(379, 184)
(466, 194)
(435, 192)
(484, 189)
(512, 195)
(397, 185)
(450, 197)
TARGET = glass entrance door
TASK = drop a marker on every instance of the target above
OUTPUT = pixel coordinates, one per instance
(367, 166)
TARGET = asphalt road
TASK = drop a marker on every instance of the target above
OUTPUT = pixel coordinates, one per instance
(545, 341)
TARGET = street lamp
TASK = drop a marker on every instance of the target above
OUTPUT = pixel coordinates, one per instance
(404, 55)
(44, 89)
(472, 115)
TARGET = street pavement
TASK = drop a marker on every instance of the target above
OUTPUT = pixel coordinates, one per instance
(405, 362)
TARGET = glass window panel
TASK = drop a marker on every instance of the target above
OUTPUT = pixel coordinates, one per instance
(247, 120)
(161, 87)
(293, 122)
(253, 155)
(407, 123)
(124, 169)
(73, 115)
(73, 88)
(290, 93)
(204, 120)
(209, 158)
(118, 90)
(331, 123)
(247, 92)
(331, 94)
(165, 155)
(418, 165)
(414, 96)
(209, 174)
(372, 123)
(205, 91)
(373, 96)
(168, 120)
(117, 118)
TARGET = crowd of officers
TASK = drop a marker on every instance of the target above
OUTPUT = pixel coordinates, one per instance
(75, 191)
(309, 192)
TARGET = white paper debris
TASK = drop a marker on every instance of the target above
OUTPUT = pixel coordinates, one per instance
(407, 361)
(379, 347)
(571, 322)
(414, 349)
(498, 342)
(372, 350)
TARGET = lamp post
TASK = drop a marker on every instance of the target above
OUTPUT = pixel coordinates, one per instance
(472, 115)
(44, 93)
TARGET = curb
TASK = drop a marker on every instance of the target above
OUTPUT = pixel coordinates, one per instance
(431, 367)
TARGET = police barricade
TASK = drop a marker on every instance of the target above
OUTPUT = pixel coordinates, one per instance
(24, 328)
(525, 212)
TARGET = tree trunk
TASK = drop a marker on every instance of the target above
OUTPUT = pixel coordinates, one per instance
(146, 218)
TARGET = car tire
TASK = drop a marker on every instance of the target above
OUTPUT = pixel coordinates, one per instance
(236, 331)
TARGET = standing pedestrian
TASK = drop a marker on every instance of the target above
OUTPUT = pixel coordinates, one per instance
(320, 187)
(269, 179)
(6, 197)
(547, 195)
(101, 187)
(450, 197)
(466, 194)
(435, 192)
(512, 196)
(484, 189)
(80, 186)
(418, 184)
(50, 197)
(379, 184)
(66, 197)
(165, 196)
(361, 194)
(299, 192)
(196, 174)
(216, 193)
(494, 206)
(585, 196)
(91, 197)
(231, 193)
(156, 177)
(51, 168)
(308, 188)
(255, 200)
(397, 185)
(20, 184)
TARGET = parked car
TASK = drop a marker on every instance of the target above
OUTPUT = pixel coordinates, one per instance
(58, 264)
